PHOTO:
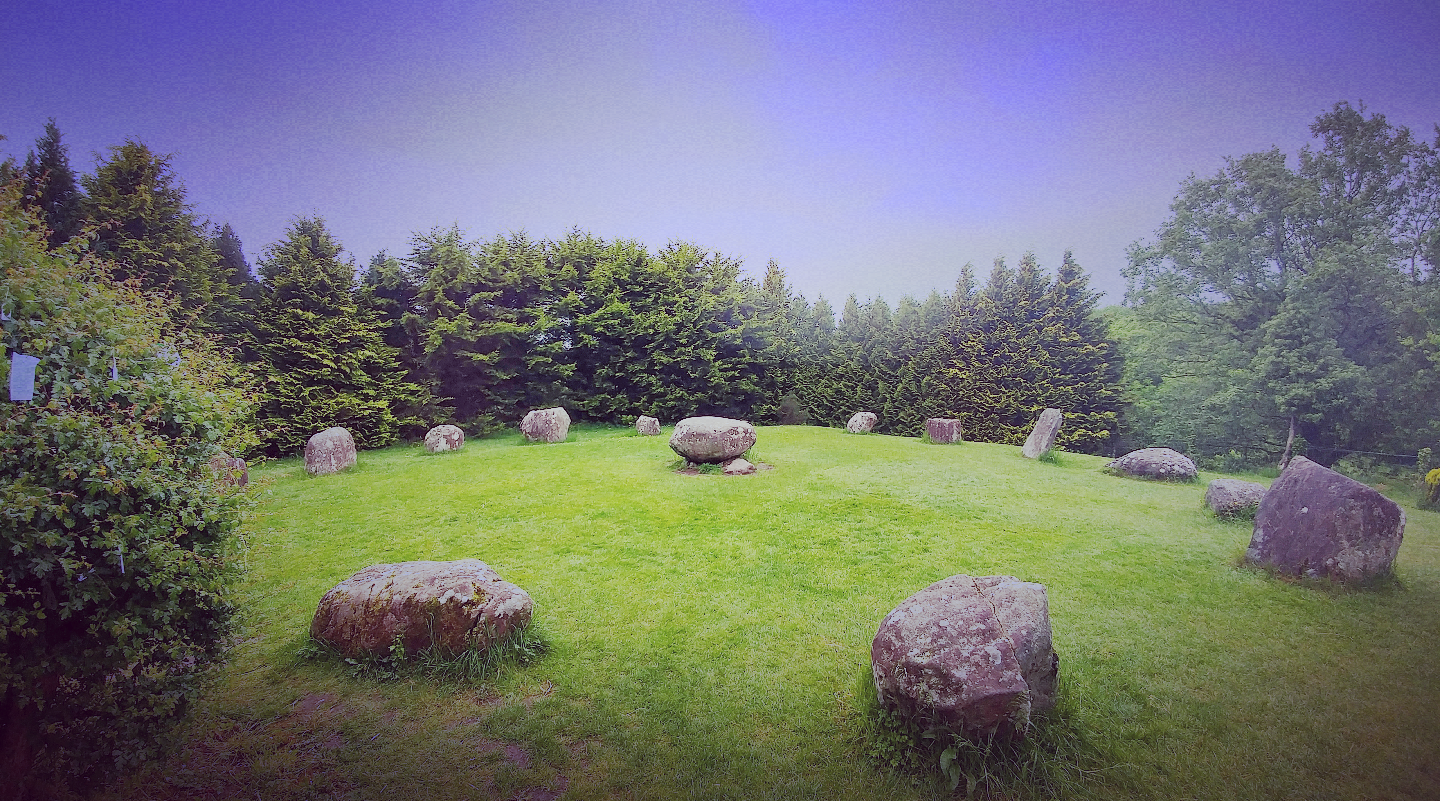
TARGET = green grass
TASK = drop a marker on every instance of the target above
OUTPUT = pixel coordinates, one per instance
(708, 636)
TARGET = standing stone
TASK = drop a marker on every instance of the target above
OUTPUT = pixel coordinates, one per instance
(1042, 437)
(1231, 497)
(441, 439)
(971, 654)
(1159, 464)
(649, 426)
(943, 431)
(862, 423)
(329, 451)
(546, 425)
(1314, 522)
(231, 470)
(711, 440)
(452, 606)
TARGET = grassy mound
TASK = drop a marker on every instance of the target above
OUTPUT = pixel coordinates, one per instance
(708, 636)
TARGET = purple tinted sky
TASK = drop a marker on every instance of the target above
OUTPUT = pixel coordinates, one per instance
(871, 148)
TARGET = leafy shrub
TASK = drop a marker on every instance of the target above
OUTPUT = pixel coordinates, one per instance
(114, 532)
(1431, 498)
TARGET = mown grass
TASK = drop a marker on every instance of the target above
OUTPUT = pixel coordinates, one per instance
(709, 636)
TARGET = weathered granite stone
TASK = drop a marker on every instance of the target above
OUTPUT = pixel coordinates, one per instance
(231, 470)
(738, 467)
(862, 423)
(1314, 522)
(451, 605)
(329, 451)
(1042, 436)
(649, 426)
(943, 431)
(546, 425)
(441, 439)
(1231, 497)
(1160, 464)
(970, 654)
(711, 440)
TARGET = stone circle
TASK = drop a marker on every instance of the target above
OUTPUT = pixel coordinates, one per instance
(444, 438)
(711, 440)
(329, 451)
(862, 422)
(972, 654)
(232, 471)
(1231, 497)
(1157, 464)
(546, 425)
(1316, 523)
(1042, 436)
(452, 606)
(944, 430)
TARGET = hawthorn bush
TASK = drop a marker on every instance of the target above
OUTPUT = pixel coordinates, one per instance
(115, 536)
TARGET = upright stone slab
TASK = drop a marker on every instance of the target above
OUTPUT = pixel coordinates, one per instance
(862, 422)
(455, 606)
(647, 426)
(1231, 497)
(971, 654)
(1156, 464)
(1314, 522)
(546, 425)
(711, 440)
(1042, 436)
(944, 431)
(444, 438)
(329, 451)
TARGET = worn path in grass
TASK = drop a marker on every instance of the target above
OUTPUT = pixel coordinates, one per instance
(708, 633)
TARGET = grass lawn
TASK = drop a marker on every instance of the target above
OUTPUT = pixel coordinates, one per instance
(709, 635)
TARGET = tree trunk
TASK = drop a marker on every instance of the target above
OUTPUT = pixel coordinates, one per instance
(1289, 442)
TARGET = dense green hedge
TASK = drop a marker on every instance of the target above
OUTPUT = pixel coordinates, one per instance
(114, 533)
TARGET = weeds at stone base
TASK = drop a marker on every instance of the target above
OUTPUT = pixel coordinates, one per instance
(1051, 456)
(1054, 760)
(470, 665)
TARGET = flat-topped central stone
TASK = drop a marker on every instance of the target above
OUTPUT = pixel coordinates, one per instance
(711, 440)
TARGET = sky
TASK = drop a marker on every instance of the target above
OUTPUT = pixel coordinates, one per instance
(870, 148)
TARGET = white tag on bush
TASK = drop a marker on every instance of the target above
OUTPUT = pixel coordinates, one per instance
(22, 376)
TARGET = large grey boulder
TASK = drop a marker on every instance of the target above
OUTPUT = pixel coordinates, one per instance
(944, 430)
(862, 422)
(1231, 497)
(329, 451)
(1314, 522)
(648, 426)
(711, 440)
(1158, 464)
(444, 438)
(970, 654)
(546, 425)
(453, 606)
(1042, 436)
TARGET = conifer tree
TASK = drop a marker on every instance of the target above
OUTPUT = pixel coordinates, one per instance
(147, 231)
(326, 361)
(50, 187)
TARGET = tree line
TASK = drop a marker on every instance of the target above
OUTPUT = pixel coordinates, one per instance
(1291, 304)
(478, 332)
